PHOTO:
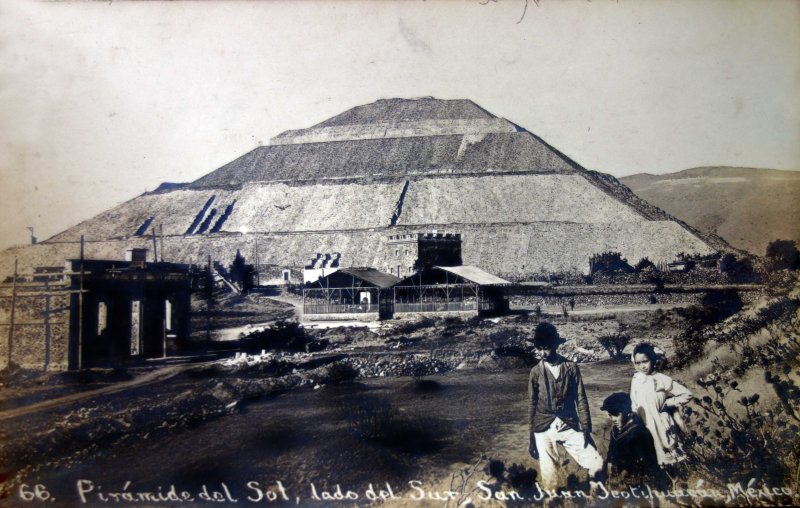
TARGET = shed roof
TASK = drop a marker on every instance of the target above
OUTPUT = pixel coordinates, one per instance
(474, 274)
(371, 275)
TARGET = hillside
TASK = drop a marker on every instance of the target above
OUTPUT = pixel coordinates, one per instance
(745, 206)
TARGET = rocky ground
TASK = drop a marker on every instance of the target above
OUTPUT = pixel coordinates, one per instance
(208, 389)
(429, 352)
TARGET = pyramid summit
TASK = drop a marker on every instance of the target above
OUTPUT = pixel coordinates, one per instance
(392, 169)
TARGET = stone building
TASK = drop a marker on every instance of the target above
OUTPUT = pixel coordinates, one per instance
(93, 313)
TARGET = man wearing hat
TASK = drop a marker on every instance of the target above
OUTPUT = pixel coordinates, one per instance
(631, 458)
(559, 410)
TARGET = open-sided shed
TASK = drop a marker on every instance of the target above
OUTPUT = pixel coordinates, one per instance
(451, 289)
(353, 291)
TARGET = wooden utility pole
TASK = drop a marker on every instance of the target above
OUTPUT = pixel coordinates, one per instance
(258, 270)
(46, 323)
(161, 234)
(13, 309)
(80, 313)
(155, 247)
(210, 298)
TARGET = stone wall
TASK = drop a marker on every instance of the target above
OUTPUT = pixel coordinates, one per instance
(601, 298)
(512, 252)
(511, 199)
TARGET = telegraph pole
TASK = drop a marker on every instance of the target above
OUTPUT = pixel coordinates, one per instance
(13, 309)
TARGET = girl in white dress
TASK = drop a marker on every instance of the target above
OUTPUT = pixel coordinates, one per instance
(657, 399)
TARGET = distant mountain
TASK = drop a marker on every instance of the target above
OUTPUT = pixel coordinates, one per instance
(745, 206)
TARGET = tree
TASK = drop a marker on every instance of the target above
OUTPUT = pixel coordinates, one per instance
(645, 265)
(782, 255)
(609, 262)
(727, 263)
(739, 269)
(242, 273)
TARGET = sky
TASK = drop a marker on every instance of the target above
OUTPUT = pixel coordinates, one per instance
(101, 101)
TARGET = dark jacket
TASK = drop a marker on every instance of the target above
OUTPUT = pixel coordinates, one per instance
(564, 398)
(633, 455)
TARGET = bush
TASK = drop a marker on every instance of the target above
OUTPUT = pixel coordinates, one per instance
(282, 336)
(715, 307)
(502, 337)
(645, 265)
(737, 437)
(614, 344)
(609, 262)
(338, 373)
(782, 255)
(516, 478)
(409, 327)
(426, 385)
(737, 269)
(751, 441)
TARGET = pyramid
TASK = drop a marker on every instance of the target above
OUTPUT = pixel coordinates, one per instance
(393, 167)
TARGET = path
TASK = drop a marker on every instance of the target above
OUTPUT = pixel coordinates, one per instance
(294, 301)
(630, 308)
(153, 376)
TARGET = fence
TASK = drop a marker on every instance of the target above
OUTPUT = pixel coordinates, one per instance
(436, 306)
(34, 309)
(338, 308)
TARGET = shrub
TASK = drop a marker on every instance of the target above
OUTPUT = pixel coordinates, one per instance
(282, 336)
(609, 262)
(339, 372)
(782, 254)
(750, 441)
(614, 344)
(409, 327)
(645, 265)
(737, 269)
(426, 385)
(508, 350)
(502, 337)
(516, 478)
(739, 437)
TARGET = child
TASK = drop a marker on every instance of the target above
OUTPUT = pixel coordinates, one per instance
(558, 410)
(657, 399)
(631, 459)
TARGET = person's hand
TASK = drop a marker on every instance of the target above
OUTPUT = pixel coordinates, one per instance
(532, 449)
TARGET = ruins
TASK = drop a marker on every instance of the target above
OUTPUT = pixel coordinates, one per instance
(391, 168)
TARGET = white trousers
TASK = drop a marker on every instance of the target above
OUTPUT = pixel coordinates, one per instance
(547, 444)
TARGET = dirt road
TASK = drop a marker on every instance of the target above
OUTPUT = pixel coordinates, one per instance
(328, 437)
(153, 376)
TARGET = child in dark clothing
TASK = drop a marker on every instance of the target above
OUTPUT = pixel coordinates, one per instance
(631, 459)
(559, 411)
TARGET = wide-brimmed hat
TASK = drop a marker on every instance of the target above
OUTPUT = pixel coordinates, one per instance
(619, 402)
(546, 335)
